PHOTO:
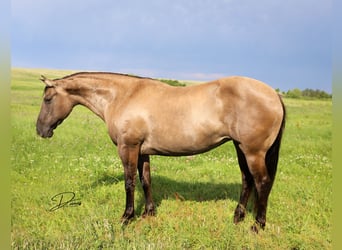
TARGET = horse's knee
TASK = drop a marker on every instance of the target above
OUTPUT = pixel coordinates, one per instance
(130, 185)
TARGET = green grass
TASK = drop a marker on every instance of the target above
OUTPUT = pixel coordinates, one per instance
(195, 196)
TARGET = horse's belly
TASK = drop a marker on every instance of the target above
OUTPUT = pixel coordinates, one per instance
(189, 128)
(181, 146)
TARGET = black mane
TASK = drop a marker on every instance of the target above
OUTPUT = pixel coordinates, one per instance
(102, 73)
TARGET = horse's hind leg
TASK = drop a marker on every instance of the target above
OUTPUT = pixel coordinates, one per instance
(145, 179)
(247, 185)
(263, 184)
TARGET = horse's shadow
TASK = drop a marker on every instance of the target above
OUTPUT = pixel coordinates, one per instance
(168, 188)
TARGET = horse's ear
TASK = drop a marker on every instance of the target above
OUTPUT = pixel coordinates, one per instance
(48, 83)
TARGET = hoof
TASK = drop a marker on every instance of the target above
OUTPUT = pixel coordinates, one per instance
(149, 210)
(256, 226)
(147, 213)
(239, 214)
(126, 221)
(126, 218)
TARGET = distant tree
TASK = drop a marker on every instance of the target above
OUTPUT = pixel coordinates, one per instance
(315, 93)
(308, 92)
(294, 93)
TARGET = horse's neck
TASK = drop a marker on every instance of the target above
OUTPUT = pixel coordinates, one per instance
(94, 97)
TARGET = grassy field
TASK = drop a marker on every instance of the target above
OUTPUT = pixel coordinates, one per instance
(195, 196)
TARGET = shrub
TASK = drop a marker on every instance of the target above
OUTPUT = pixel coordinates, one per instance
(173, 82)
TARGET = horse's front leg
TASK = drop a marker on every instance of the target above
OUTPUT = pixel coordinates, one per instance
(145, 179)
(129, 157)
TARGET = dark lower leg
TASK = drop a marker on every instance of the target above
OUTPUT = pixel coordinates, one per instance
(129, 188)
(263, 190)
(129, 158)
(247, 187)
(263, 184)
(145, 179)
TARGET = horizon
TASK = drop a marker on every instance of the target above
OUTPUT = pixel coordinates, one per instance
(188, 82)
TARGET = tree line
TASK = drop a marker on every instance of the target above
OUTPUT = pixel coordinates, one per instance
(305, 94)
(293, 93)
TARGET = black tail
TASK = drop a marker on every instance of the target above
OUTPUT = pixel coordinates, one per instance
(272, 154)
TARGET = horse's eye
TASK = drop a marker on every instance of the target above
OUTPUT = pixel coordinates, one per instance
(47, 100)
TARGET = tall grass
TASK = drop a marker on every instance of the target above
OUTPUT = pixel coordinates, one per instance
(195, 196)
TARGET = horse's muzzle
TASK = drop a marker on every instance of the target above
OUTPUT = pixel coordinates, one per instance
(46, 131)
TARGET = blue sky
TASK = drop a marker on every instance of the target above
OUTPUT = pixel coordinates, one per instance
(287, 44)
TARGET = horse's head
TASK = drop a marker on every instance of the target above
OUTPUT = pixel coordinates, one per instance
(56, 106)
